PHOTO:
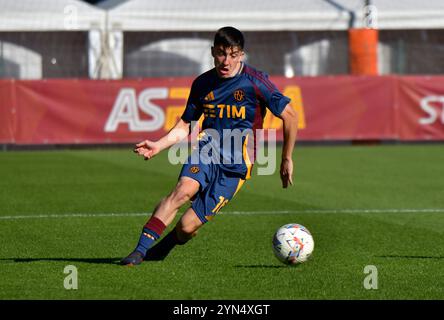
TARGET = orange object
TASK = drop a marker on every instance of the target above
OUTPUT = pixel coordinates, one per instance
(363, 51)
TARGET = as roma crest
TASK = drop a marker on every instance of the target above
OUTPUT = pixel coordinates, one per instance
(194, 169)
(239, 95)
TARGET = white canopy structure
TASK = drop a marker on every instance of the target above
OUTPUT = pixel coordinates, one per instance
(107, 22)
(277, 15)
(407, 14)
(49, 15)
(256, 15)
(209, 15)
(59, 16)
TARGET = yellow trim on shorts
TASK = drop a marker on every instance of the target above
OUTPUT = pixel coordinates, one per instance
(239, 185)
(247, 159)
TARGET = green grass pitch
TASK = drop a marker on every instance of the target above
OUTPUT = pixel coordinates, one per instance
(365, 205)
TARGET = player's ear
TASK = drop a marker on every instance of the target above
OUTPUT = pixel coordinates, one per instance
(242, 55)
(212, 52)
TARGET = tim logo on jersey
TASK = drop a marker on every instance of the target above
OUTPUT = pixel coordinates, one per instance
(223, 110)
(230, 111)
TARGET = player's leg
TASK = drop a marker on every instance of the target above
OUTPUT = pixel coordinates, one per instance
(162, 216)
(167, 209)
(206, 205)
(188, 226)
(185, 229)
(201, 174)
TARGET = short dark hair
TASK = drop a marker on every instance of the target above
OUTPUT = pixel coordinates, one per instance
(229, 37)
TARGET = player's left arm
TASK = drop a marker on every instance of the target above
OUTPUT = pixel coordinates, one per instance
(289, 116)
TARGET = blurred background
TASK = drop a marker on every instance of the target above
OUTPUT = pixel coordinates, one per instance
(117, 71)
(113, 39)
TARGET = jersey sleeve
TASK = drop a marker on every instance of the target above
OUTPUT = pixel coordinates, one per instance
(271, 96)
(193, 109)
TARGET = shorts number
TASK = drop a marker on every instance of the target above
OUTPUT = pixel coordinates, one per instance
(220, 205)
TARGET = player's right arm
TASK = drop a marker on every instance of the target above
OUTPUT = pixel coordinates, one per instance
(149, 149)
(179, 132)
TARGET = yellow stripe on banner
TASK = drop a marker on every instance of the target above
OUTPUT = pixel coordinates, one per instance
(247, 158)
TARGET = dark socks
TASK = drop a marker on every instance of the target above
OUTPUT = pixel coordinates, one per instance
(152, 231)
(161, 250)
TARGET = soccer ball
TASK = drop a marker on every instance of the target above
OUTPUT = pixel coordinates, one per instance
(293, 244)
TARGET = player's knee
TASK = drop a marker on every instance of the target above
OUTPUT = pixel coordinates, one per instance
(179, 197)
(186, 230)
(185, 233)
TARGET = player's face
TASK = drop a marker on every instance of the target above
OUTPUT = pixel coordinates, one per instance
(227, 60)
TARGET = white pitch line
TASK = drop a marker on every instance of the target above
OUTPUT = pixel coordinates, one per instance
(437, 210)
(73, 215)
(138, 214)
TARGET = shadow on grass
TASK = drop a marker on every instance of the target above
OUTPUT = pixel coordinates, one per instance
(260, 266)
(410, 257)
(86, 260)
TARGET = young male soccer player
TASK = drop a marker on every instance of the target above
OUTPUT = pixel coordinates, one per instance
(231, 96)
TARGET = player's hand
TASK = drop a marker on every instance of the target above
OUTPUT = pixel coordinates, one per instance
(147, 149)
(286, 172)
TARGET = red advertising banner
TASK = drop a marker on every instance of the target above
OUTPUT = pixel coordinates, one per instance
(128, 111)
(420, 106)
(88, 111)
(345, 107)
(7, 111)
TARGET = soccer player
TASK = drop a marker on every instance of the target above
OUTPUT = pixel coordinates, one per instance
(231, 96)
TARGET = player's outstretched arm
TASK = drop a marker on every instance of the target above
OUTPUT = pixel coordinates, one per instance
(149, 149)
(290, 119)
